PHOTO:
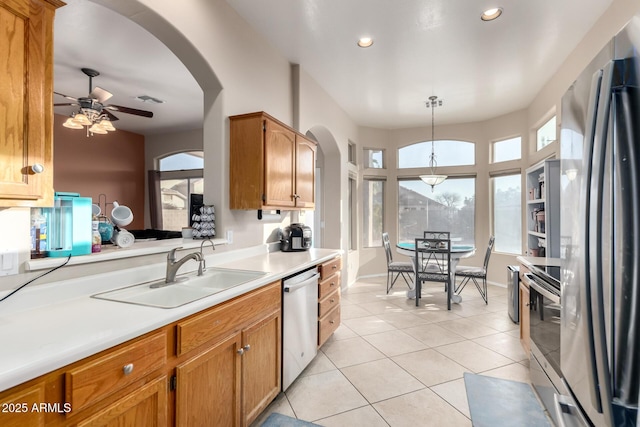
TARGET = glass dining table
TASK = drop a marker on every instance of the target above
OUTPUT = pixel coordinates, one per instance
(457, 253)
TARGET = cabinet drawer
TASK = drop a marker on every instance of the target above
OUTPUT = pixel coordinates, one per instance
(328, 324)
(227, 317)
(329, 303)
(95, 380)
(330, 267)
(328, 286)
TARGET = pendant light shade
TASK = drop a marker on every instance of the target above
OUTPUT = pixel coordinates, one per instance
(433, 178)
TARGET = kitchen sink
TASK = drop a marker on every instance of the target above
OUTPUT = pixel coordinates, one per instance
(189, 288)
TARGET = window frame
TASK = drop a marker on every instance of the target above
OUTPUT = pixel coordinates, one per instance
(365, 183)
(555, 134)
(492, 194)
(436, 150)
(365, 159)
(503, 140)
(473, 176)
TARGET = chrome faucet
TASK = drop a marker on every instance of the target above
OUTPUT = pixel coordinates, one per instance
(173, 265)
(203, 263)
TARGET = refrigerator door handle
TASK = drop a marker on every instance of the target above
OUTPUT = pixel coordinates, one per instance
(595, 237)
(585, 221)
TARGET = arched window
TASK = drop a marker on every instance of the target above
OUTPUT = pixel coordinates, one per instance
(448, 153)
(181, 161)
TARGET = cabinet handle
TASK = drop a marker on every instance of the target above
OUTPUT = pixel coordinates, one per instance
(128, 368)
(247, 347)
(331, 322)
(37, 168)
(240, 351)
(334, 267)
(332, 300)
(332, 284)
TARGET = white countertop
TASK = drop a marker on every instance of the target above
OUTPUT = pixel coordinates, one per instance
(46, 327)
(530, 260)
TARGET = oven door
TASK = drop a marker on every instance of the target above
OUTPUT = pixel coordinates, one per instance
(544, 309)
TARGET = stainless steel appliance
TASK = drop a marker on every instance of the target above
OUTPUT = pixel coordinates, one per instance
(544, 330)
(513, 293)
(296, 237)
(299, 323)
(600, 238)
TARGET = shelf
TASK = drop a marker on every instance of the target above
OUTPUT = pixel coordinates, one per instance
(535, 201)
(535, 233)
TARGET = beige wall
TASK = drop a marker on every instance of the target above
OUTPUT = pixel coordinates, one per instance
(111, 165)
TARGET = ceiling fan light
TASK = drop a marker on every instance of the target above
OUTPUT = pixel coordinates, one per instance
(107, 125)
(96, 128)
(72, 124)
(82, 119)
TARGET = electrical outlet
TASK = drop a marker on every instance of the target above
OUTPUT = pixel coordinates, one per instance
(229, 237)
(8, 262)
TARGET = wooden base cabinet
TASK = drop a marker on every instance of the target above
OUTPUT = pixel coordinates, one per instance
(219, 367)
(147, 406)
(231, 380)
(208, 386)
(271, 165)
(17, 407)
(328, 299)
(261, 363)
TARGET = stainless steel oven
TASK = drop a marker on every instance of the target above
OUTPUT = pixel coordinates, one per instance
(544, 309)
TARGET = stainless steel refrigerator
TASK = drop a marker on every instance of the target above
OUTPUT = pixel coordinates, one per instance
(600, 238)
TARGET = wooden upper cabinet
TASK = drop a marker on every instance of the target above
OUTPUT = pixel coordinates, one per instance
(26, 101)
(305, 173)
(271, 165)
(279, 165)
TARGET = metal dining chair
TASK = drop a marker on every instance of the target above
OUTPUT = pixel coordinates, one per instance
(469, 273)
(432, 263)
(438, 235)
(396, 269)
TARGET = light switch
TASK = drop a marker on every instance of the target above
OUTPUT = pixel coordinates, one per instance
(8, 262)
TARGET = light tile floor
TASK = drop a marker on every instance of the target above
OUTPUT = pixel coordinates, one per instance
(391, 363)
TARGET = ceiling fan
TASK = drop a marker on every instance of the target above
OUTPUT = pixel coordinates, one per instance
(92, 109)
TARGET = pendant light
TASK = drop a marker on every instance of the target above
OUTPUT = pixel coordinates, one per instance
(433, 179)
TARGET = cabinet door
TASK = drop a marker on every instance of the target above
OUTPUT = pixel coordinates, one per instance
(524, 317)
(208, 387)
(305, 173)
(26, 99)
(279, 165)
(147, 406)
(260, 365)
(16, 408)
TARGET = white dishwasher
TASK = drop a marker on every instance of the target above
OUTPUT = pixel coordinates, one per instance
(299, 323)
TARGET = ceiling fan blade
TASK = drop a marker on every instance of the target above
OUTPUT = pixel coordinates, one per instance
(128, 110)
(111, 116)
(66, 96)
(65, 104)
(100, 94)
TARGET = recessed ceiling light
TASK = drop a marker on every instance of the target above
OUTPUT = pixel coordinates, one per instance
(491, 14)
(365, 42)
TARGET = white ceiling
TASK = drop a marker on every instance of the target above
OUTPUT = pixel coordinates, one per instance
(421, 47)
(131, 63)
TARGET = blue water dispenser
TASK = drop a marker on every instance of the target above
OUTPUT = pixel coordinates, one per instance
(69, 225)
